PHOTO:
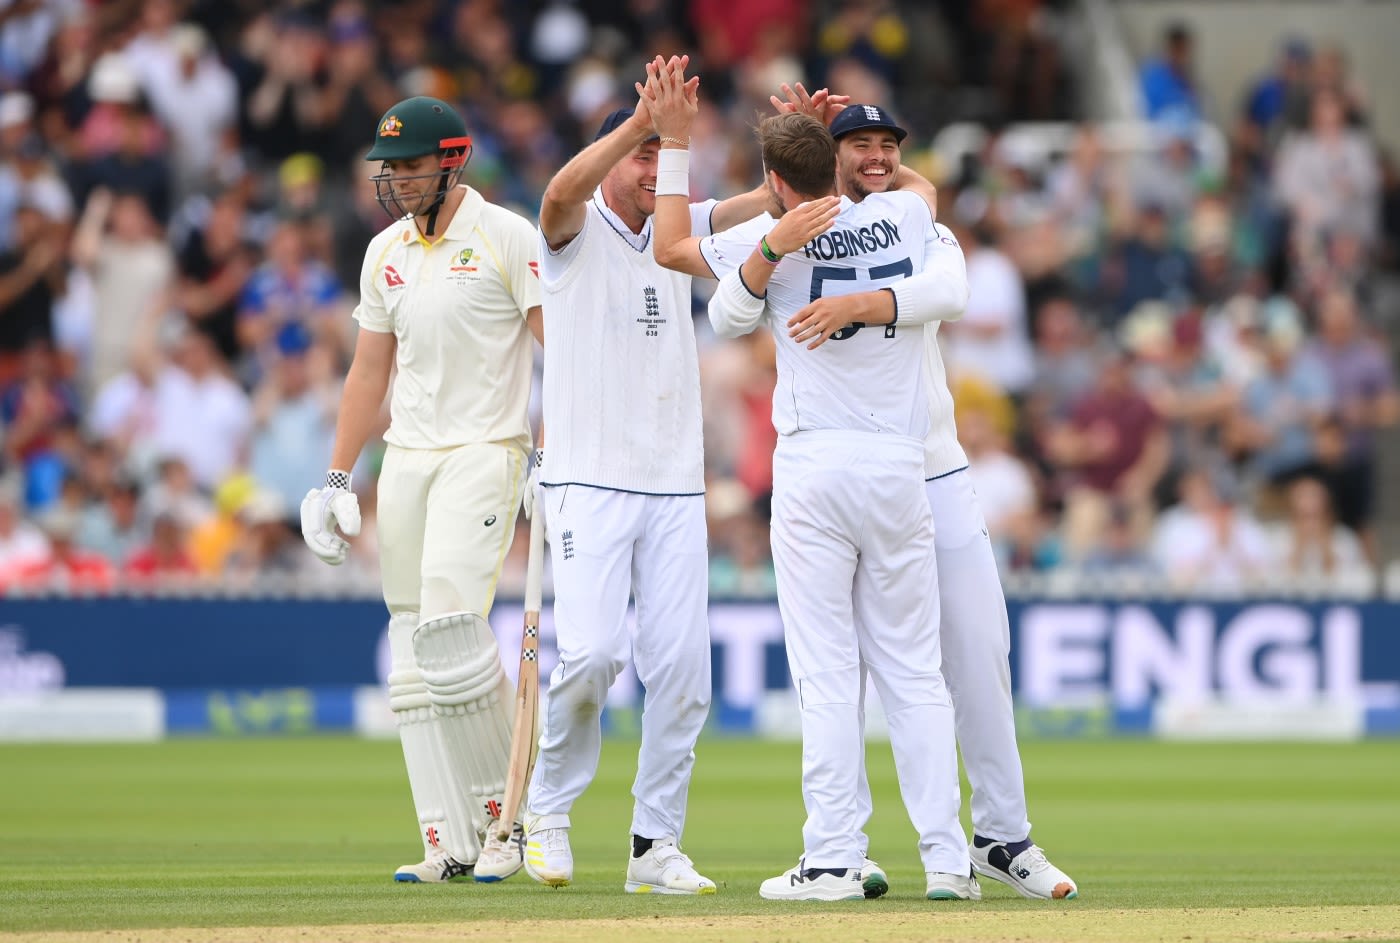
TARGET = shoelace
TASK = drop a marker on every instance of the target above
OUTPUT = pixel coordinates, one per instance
(554, 841)
(672, 857)
(1033, 859)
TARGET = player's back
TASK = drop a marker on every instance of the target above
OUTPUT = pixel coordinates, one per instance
(866, 378)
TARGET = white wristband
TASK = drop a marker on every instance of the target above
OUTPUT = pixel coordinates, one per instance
(673, 172)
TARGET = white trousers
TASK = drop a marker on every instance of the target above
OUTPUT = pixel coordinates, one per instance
(446, 519)
(853, 551)
(604, 544)
(976, 639)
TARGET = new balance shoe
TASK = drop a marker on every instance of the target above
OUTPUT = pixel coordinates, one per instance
(945, 886)
(801, 883)
(1023, 867)
(500, 859)
(665, 869)
(438, 868)
(548, 857)
(873, 880)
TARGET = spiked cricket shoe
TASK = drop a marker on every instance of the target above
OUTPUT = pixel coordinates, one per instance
(665, 869)
(500, 859)
(438, 868)
(1028, 872)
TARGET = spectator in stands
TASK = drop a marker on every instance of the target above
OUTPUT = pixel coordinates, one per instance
(1276, 100)
(270, 548)
(1120, 555)
(215, 264)
(113, 526)
(1310, 548)
(285, 113)
(202, 415)
(1005, 488)
(192, 93)
(1146, 266)
(1169, 87)
(214, 539)
(120, 144)
(1329, 177)
(174, 491)
(28, 176)
(124, 251)
(31, 277)
(992, 339)
(1283, 406)
(1331, 74)
(290, 287)
(1113, 447)
(22, 545)
(1208, 541)
(35, 408)
(1187, 388)
(166, 558)
(67, 567)
(294, 411)
(1065, 362)
(1365, 399)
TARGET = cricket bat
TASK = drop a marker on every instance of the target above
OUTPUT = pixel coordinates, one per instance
(526, 732)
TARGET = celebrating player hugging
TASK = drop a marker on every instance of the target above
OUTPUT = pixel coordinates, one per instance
(839, 254)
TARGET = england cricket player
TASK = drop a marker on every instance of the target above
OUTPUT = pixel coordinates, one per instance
(624, 483)
(974, 628)
(449, 296)
(852, 533)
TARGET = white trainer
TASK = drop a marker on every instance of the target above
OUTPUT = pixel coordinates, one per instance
(1029, 873)
(500, 859)
(665, 869)
(873, 880)
(438, 868)
(945, 886)
(548, 857)
(813, 884)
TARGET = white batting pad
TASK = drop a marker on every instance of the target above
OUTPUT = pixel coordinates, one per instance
(440, 824)
(471, 700)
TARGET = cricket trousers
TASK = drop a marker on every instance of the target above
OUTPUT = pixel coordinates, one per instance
(604, 545)
(853, 551)
(446, 518)
(975, 636)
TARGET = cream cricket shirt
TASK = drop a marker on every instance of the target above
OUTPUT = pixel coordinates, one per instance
(457, 308)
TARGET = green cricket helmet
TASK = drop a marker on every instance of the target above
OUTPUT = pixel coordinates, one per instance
(412, 128)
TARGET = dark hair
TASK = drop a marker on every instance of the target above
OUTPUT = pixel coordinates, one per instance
(800, 149)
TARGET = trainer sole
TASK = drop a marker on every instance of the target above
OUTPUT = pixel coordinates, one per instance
(637, 887)
(1009, 881)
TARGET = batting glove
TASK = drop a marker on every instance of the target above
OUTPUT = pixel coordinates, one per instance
(532, 484)
(325, 509)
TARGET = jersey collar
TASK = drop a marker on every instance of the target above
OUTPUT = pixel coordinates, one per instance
(637, 240)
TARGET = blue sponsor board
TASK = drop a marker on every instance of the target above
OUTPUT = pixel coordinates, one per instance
(1079, 668)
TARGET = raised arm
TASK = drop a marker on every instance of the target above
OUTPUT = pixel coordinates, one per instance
(563, 207)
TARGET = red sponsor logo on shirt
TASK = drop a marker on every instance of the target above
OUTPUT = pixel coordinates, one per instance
(535, 268)
(392, 278)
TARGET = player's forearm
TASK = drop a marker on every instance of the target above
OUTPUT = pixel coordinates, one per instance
(365, 386)
(561, 210)
(939, 295)
(736, 308)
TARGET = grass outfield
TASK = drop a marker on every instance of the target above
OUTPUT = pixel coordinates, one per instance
(298, 838)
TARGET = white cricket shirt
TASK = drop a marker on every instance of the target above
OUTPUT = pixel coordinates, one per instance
(865, 378)
(457, 308)
(621, 372)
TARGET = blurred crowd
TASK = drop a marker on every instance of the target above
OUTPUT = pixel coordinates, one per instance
(1169, 369)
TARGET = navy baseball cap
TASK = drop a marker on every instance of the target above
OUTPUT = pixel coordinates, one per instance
(613, 121)
(860, 117)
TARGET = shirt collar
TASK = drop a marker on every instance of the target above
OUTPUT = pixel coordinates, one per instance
(637, 240)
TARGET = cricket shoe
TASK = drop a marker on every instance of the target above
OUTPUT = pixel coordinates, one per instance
(802, 883)
(873, 880)
(945, 886)
(438, 868)
(548, 857)
(500, 859)
(1024, 867)
(665, 869)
